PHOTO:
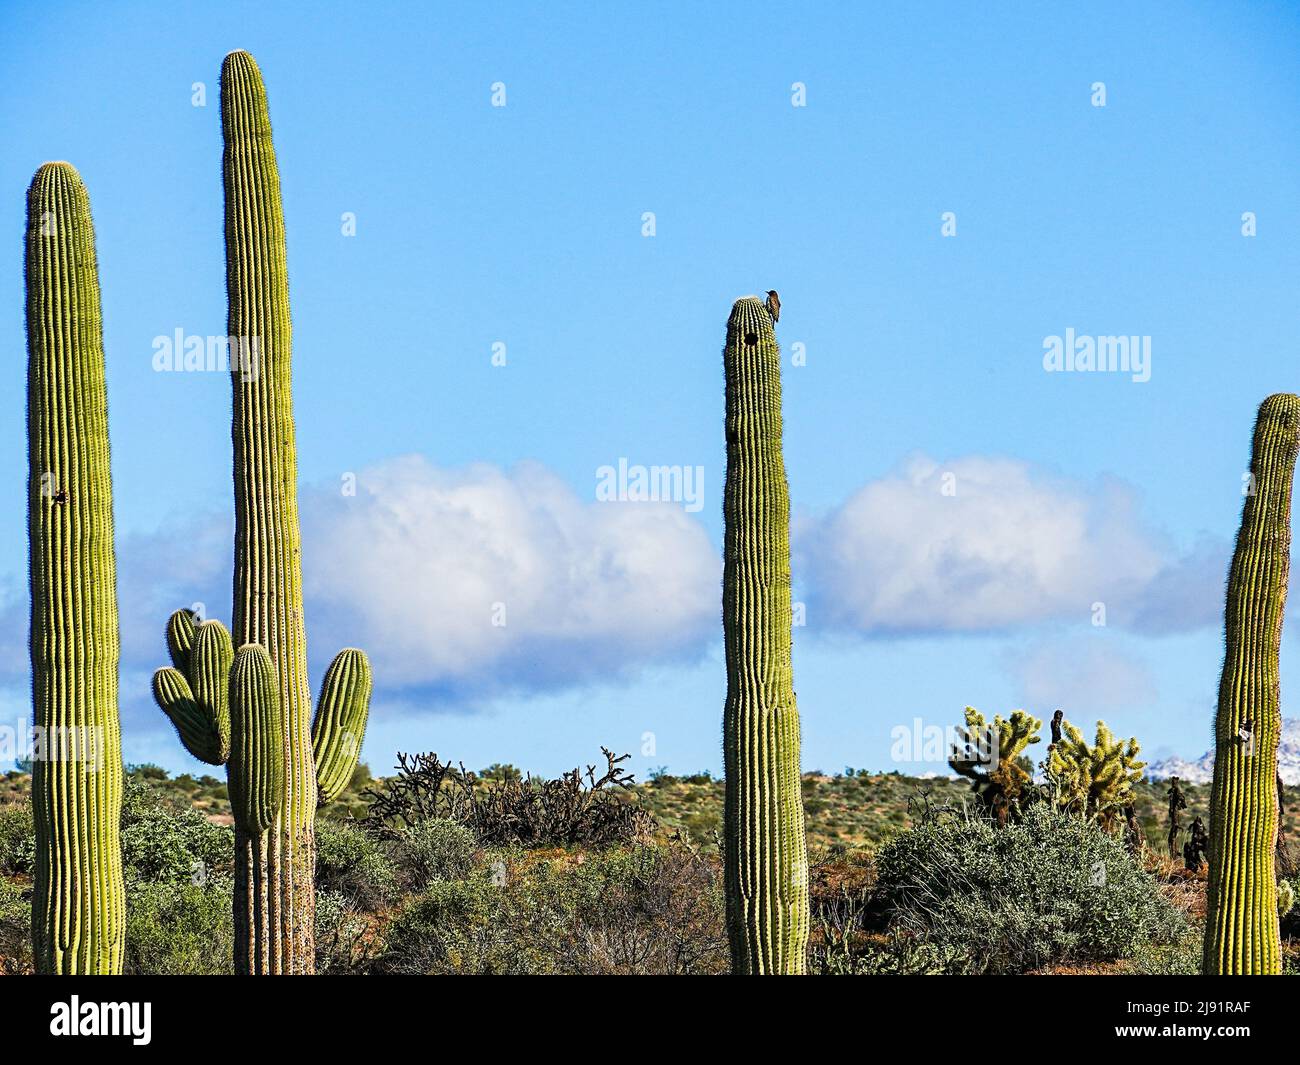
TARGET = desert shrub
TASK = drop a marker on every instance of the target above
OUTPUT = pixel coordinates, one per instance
(1181, 958)
(501, 771)
(458, 926)
(17, 839)
(576, 809)
(164, 844)
(438, 849)
(1290, 919)
(843, 911)
(1050, 888)
(353, 863)
(895, 954)
(177, 927)
(147, 771)
(646, 909)
(15, 929)
(345, 943)
(651, 909)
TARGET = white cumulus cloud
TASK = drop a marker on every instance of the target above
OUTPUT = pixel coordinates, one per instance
(984, 544)
(482, 578)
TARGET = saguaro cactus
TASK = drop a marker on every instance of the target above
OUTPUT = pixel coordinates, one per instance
(1241, 928)
(766, 869)
(231, 704)
(79, 901)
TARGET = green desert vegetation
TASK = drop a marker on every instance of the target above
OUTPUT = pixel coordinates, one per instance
(453, 889)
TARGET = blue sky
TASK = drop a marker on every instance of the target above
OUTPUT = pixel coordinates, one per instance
(523, 224)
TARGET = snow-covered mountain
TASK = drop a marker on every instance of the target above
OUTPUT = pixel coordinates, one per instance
(1201, 771)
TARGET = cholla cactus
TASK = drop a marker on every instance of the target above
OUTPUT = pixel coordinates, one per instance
(1285, 898)
(991, 758)
(1095, 781)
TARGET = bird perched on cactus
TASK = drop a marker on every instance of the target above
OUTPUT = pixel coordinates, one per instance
(765, 861)
(1095, 781)
(993, 758)
(773, 305)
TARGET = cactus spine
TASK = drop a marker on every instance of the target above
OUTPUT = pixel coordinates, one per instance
(766, 869)
(79, 900)
(1241, 928)
(251, 708)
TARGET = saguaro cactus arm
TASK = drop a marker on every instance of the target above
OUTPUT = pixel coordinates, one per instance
(340, 725)
(210, 663)
(182, 631)
(195, 727)
(1241, 927)
(766, 858)
(195, 692)
(78, 894)
(256, 773)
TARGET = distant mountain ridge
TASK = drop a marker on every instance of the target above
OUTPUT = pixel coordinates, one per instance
(1201, 771)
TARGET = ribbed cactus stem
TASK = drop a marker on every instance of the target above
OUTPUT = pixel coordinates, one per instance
(182, 631)
(766, 866)
(196, 729)
(256, 770)
(340, 725)
(268, 608)
(195, 691)
(1241, 930)
(78, 899)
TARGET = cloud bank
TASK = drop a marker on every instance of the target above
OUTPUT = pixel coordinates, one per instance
(463, 584)
(482, 579)
(987, 544)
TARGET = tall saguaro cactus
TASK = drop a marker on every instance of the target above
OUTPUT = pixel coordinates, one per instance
(1241, 928)
(268, 547)
(79, 900)
(247, 702)
(766, 868)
